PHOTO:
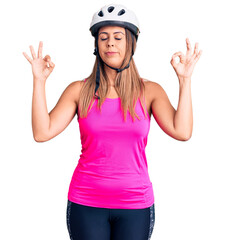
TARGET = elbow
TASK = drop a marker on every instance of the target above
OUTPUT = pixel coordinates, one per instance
(39, 138)
(36, 138)
(186, 137)
(183, 135)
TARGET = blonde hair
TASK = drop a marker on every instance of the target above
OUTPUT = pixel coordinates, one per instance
(128, 85)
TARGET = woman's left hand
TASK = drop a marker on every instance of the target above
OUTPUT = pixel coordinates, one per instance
(185, 66)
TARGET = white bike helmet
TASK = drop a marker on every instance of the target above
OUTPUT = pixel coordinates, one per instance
(114, 14)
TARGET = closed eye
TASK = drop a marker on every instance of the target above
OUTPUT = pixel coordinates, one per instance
(103, 39)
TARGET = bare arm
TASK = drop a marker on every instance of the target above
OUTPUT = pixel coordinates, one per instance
(47, 125)
(40, 116)
(65, 109)
(177, 123)
(183, 118)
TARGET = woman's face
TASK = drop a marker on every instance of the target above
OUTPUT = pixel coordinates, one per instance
(112, 45)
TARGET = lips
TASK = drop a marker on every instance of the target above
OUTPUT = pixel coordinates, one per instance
(110, 53)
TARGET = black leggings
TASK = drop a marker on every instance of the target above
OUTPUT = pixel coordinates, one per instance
(93, 223)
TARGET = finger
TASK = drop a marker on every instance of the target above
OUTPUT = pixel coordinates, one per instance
(195, 52)
(198, 56)
(33, 52)
(189, 49)
(196, 48)
(51, 64)
(47, 58)
(173, 60)
(40, 49)
(180, 55)
(27, 57)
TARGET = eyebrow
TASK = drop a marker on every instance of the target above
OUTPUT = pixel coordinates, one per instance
(113, 33)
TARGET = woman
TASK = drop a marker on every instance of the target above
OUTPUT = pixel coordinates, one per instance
(110, 194)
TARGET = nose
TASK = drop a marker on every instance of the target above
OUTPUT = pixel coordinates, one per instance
(110, 42)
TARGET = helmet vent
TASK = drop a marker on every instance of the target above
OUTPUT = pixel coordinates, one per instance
(100, 14)
(110, 9)
(121, 12)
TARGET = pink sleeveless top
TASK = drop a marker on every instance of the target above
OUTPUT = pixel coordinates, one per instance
(112, 171)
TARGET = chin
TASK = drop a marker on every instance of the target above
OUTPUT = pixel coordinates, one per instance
(113, 64)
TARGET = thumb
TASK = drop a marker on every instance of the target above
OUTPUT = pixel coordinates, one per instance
(173, 61)
(175, 55)
(52, 65)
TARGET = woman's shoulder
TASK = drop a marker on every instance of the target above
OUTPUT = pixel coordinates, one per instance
(150, 84)
(77, 82)
(74, 89)
(76, 85)
(152, 89)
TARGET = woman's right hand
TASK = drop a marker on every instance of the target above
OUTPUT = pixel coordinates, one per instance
(41, 67)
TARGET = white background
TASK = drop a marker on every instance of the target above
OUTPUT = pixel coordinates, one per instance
(188, 177)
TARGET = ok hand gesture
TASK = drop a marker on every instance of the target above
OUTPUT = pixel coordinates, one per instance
(41, 67)
(187, 62)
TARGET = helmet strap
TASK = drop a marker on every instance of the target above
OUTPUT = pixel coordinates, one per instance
(97, 73)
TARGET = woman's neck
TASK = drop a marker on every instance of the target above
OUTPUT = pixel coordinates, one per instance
(111, 74)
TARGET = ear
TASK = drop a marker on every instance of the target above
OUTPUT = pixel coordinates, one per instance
(96, 45)
(95, 52)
